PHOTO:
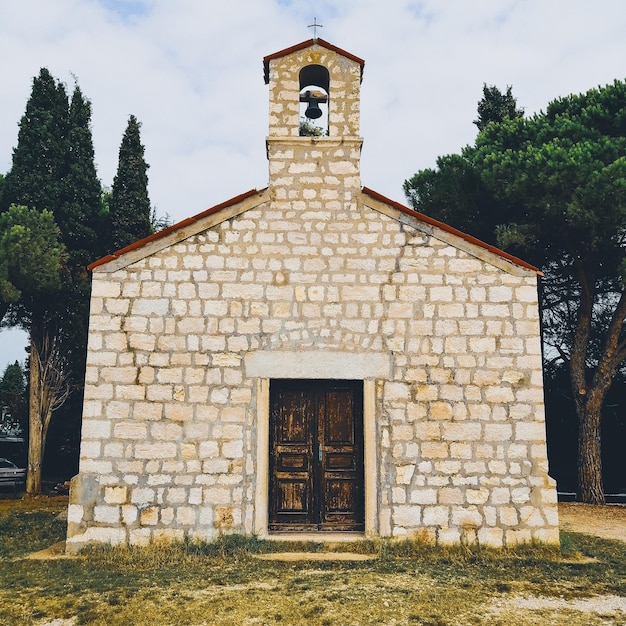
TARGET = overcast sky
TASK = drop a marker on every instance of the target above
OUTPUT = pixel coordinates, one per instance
(191, 72)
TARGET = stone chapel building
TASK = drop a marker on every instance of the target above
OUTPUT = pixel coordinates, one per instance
(313, 360)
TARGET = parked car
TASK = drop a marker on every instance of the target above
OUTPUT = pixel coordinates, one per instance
(11, 475)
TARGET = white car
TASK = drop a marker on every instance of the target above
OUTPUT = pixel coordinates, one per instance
(11, 475)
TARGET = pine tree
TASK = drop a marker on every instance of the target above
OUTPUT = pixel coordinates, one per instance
(129, 204)
(496, 106)
(31, 260)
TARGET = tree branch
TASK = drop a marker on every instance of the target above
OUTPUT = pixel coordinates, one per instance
(614, 352)
(582, 331)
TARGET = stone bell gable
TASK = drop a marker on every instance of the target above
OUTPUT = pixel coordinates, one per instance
(313, 360)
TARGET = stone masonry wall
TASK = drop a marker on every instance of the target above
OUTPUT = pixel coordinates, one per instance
(344, 96)
(313, 266)
(168, 440)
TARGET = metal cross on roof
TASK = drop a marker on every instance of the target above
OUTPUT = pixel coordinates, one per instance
(315, 26)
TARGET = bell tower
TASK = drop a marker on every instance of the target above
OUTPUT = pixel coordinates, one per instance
(313, 144)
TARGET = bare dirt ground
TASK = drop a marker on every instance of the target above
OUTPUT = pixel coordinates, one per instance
(607, 522)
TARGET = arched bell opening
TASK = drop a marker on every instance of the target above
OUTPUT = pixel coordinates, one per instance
(314, 96)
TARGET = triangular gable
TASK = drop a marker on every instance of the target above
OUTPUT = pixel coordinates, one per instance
(302, 46)
(253, 198)
(450, 235)
(182, 230)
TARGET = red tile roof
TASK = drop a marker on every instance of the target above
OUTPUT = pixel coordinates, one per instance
(302, 46)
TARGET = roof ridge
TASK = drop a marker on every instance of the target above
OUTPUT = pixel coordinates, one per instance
(305, 44)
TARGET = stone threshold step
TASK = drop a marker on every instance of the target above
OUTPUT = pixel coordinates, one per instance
(315, 556)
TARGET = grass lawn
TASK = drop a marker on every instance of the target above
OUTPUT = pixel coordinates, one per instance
(409, 583)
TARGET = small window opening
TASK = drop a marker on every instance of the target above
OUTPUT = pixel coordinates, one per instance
(314, 96)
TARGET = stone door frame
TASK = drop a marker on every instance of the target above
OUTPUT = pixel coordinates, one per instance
(261, 501)
(373, 368)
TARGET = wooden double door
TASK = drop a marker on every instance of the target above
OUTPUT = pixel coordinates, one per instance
(316, 455)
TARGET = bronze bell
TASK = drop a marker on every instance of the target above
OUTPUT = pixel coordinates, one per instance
(313, 110)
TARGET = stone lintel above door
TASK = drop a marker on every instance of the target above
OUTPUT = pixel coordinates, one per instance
(317, 364)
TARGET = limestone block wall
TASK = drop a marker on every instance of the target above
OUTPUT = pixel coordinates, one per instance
(313, 174)
(344, 92)
(169, 439)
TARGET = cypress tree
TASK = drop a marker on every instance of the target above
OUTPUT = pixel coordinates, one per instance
(79, 219)
(79, 212)
(39, 160)
(129, 204)
(53, 168)
(12, 400)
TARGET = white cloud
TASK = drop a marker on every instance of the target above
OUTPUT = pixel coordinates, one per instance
(191, 71)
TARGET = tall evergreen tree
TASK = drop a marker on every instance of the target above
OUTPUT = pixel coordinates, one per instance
(13, 405)
(53, 168)
(129, 204)
(79, 212)
(79, 218)
(40, 158)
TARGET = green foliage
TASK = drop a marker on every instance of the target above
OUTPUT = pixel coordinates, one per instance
(13, 401)
(309, 129)
(496, 106)
(129, 215)
(564, 174)
(39, 160)
(31, 255)
(79, 212)
(53, 172)
(12, 382)
(455, 194)
(552, 189)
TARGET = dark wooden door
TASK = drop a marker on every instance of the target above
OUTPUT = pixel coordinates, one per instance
(316, 455)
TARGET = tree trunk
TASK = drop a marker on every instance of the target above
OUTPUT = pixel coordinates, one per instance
(35, 436)
(590, 392)
(590, 488)
(49, 389)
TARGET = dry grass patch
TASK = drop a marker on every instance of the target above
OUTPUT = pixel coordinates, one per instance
(222, 583)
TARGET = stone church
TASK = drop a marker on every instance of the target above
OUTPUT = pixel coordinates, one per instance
(313, 360)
